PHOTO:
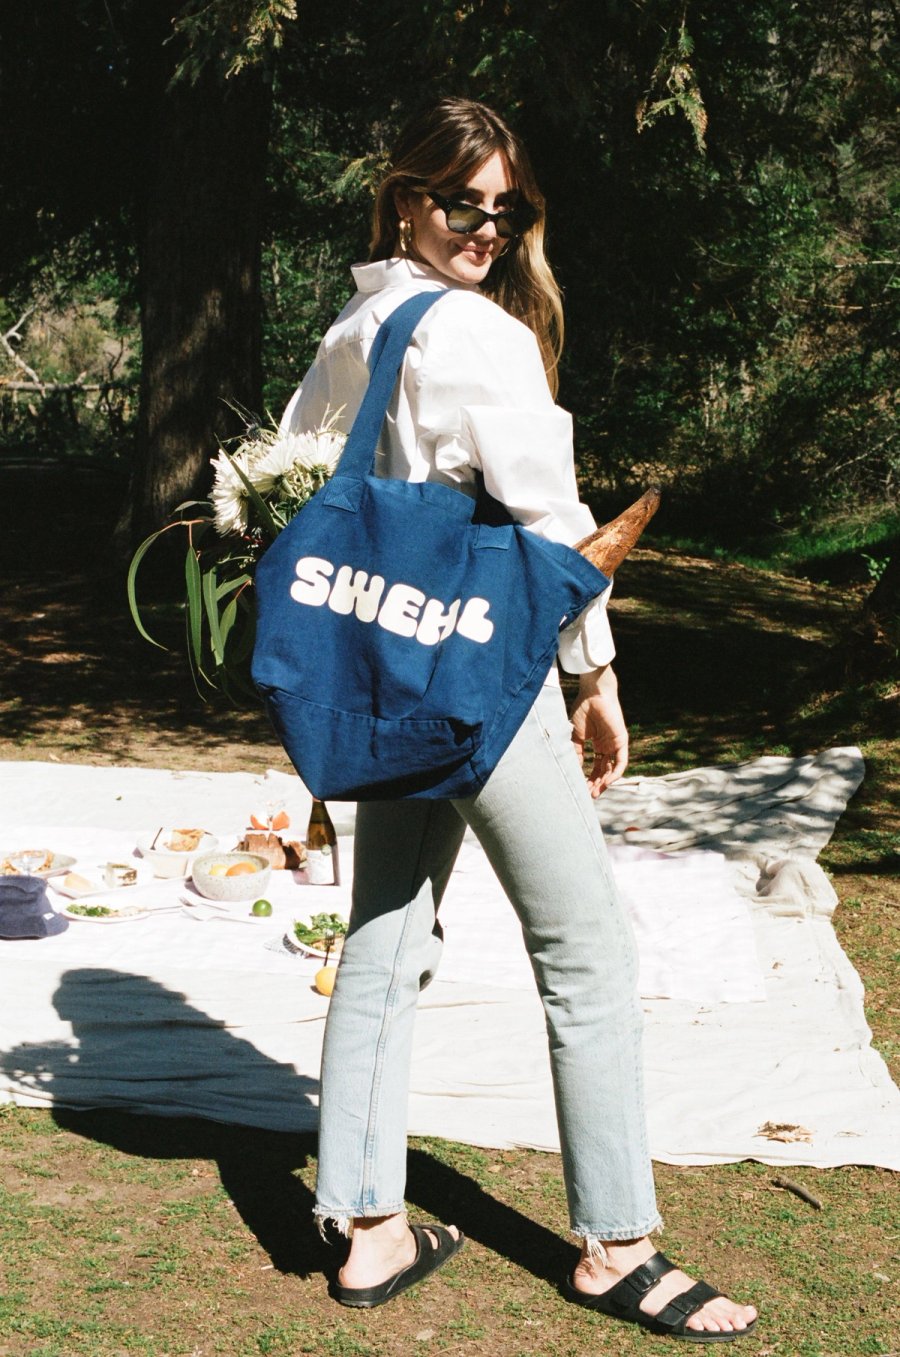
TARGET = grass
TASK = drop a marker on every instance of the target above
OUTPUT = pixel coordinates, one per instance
(849, 546)
(128, 1235)
(116, 1268)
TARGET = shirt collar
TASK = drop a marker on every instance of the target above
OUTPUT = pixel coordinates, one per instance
(400, 272)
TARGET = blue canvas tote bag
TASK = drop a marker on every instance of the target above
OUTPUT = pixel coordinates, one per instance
(404, 630)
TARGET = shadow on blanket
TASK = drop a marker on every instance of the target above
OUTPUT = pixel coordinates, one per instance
(111, 1013)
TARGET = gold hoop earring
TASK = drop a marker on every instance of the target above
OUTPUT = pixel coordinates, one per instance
(405, 234)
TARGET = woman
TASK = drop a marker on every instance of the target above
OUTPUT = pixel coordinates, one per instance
(459, 212)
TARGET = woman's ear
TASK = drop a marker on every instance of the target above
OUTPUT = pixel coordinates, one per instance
(403, 202)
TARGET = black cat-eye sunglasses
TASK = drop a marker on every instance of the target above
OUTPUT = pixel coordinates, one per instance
(464, 218)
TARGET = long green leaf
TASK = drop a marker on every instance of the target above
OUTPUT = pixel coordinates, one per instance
(211, 604)
(227, 621)
(230, 586)
(130, 586)
(195, 606)
(245, 641)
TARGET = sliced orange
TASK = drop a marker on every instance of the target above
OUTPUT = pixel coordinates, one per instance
(242, 869)
(281, 820)
(257, 823)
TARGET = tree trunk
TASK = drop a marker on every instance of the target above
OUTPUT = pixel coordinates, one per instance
(199, 259)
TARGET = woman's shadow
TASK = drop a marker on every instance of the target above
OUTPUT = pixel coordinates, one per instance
(138, 1047)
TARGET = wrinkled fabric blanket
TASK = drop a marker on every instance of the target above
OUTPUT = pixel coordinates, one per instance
(756, 1043)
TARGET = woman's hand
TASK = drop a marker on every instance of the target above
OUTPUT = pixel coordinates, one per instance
(597, 716)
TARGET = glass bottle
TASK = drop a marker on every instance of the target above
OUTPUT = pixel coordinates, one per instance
(322, 857)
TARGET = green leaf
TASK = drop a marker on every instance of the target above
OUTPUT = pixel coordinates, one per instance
(229, 586)
(130, 588)
(195, 606)
(244, 644)
(211, 604)
(227, 621)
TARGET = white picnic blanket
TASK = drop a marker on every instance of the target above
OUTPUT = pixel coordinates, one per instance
(762, 1022)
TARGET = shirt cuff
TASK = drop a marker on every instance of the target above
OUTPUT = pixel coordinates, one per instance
(587, 642)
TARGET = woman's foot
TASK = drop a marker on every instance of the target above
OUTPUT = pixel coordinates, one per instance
(380, 1247)
(592, 1278)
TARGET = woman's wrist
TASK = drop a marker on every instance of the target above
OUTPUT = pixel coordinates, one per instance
(600, 682)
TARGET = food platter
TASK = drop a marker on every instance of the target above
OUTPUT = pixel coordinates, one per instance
(55, 863)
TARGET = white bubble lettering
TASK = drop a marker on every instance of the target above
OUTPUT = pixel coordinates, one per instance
(474, 622)
(400, 610)
(406, 611)
(436, 625)
(312, 584)
(355, 591)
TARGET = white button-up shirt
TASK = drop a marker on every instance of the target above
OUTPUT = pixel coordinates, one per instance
(472, 396)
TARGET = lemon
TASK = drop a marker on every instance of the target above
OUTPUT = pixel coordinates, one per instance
(324, 981)
(261, 908)
(218, 869)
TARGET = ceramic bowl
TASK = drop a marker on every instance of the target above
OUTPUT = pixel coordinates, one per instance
(231, 889)
(163, 861)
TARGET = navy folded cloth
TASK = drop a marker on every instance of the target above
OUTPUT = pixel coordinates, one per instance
(25, 911)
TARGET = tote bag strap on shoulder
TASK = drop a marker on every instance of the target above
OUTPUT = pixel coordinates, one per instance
(385, 360)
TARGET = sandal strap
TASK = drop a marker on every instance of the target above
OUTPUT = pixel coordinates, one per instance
(680, 1308)
(426, 1249)
(625, 1297)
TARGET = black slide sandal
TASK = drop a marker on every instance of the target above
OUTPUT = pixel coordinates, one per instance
(428, 1259)
(622, 1301)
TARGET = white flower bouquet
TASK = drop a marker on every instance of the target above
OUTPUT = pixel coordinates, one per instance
(258, 487)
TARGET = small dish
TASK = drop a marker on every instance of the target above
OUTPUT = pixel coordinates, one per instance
(216, 885)
(169, 862)
(59, 862)
(92, 881)
(128, 914)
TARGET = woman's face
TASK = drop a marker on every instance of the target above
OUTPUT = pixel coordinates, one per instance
(460, 258)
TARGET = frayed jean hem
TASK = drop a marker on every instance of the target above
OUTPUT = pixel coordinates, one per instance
(343, 1220)
(595, 1241)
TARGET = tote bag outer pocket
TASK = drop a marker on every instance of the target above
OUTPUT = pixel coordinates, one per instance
(401, 639)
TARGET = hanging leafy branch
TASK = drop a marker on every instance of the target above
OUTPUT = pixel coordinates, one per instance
(230, 34)
(674, 82)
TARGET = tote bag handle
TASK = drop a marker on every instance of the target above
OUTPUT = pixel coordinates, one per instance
(385, 359)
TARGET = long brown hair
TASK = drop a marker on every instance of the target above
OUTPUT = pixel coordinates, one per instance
(441, 148)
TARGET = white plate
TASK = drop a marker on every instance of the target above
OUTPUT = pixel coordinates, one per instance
(293, 944)
(127, 915)
(60, 862)
(97, 886)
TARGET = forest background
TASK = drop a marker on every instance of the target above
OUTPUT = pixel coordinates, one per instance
(182, 198)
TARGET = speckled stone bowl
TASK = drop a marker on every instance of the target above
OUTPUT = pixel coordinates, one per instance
(231, 889)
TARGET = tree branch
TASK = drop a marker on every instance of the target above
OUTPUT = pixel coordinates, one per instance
(5, 341)
(38, 385)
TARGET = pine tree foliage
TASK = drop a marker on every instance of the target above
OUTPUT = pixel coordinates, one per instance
(722, 183)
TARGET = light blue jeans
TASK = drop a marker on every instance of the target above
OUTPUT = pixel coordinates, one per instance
(536, 822)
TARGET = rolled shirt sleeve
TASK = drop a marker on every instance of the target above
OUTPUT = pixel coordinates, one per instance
(509, 429)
